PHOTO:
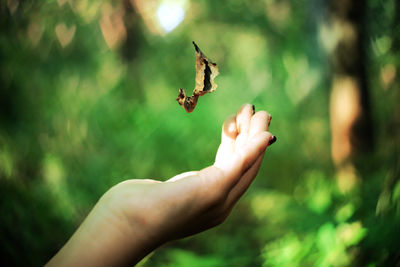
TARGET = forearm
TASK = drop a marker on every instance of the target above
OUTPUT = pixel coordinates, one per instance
(103, 239)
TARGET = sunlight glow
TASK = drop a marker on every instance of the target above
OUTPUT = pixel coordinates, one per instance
(170, 15)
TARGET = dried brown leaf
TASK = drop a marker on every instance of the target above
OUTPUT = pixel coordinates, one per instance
(206, 71)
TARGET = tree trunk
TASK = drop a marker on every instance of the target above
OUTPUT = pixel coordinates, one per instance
(350, 117)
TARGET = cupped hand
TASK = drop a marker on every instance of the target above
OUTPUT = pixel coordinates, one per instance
(195, 201)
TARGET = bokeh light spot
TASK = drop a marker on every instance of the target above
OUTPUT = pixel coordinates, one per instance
(170, 15)
(65, 34)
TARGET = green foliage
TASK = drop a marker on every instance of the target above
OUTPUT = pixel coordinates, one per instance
(79, 113)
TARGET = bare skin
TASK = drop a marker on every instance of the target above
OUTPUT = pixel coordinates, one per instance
(136, 216)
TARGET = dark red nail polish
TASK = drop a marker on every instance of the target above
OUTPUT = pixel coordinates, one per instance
(254, 109)
(272, 140)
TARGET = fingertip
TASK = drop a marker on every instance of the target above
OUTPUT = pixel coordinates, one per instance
(243, 117)
(272, 140)
(244, 106)
(262, 139)
(229, 127)
(245, 109)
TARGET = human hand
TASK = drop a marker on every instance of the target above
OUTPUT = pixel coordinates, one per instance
(136, 216)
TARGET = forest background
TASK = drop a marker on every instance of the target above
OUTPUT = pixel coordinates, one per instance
(87, 100)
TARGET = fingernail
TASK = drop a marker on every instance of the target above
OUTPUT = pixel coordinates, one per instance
(254, 109)
(272, 140)
(270, 118)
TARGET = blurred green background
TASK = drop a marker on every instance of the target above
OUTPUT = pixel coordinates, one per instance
(87, 99)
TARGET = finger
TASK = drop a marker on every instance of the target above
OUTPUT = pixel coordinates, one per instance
(243, 118)
(242, 160)
(247, 178)
(229, 129)
(259, 123)
(228, 137)
(255, 147)
(243, 184)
